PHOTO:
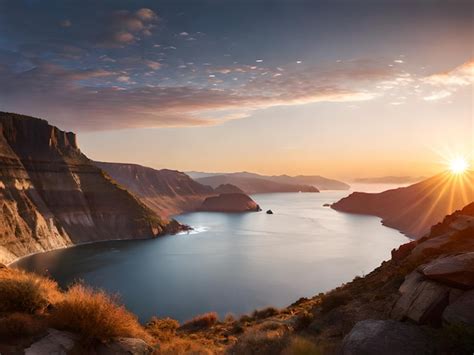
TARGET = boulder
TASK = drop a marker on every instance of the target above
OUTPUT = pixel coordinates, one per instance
(55, 342)
(125, 346)
(461, 311)
(421, 301)
(456, 271)
(269, 212)
(386, 337)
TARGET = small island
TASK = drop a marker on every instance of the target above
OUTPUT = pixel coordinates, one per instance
(230, 202)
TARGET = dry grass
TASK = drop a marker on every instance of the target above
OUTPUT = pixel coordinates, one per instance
(96, 316)
(20, 324)
(261, 342)
(25, 292)
(162, 329)
(301, 346)
(202, 321)
(181, 346)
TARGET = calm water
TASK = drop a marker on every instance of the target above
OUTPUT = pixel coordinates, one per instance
(232, 262)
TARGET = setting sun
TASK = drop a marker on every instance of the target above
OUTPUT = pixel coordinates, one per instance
(458, 165)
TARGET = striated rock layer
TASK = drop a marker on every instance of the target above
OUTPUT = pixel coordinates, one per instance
(52, 196)
(167, 192)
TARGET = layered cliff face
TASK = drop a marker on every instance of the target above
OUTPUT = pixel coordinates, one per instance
(167, 192)
(414, 209)
(53, 196)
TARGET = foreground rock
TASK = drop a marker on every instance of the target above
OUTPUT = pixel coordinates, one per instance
(53, 196)
(388, 337)
(233, 202)
(55, 342)
(456, 271)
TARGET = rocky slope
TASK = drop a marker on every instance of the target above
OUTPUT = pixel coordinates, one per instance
(229, 202)
(227, 189)
(52, 196)
(415, 208)
(253, 185)
(167, 192)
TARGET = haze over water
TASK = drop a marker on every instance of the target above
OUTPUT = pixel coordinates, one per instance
(231, 262)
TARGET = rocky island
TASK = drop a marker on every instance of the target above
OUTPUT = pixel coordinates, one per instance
(230, 202)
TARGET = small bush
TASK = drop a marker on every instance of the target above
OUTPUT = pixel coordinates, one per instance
(303, 320)
(334, 300)
(205, 320)
(245, 318)
(162, 329)
(20, 324)
(181, 346)
(265, 313)
(95, 316)
(26, 292)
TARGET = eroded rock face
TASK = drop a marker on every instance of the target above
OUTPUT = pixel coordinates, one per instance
(456, 271)
(52, 196)
(234, 202)
(421, 301)
(386, 337)
(461, 310)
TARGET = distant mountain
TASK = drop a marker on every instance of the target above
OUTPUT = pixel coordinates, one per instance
(390, 180)
(167, 192)
(321, 183)
(253, 185)
(227, 189)
(52, 196)
(413, 209)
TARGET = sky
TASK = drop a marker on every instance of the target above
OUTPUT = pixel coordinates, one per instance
(344, 89)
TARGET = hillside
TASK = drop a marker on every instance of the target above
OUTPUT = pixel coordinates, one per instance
(320, 182)
(252, 185)
(421, 301)
(413, 209)
(167, 192)
(52, 196)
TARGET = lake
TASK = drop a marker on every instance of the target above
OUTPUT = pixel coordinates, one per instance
(231, 263)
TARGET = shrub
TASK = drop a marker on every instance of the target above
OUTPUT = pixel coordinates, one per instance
(333, 300)
(265, 313)
(245, 318)
(163, 329)
(26, 292)
(181, 346)
(303, 320)
(20, 324)
(205, 320)
(95, 316)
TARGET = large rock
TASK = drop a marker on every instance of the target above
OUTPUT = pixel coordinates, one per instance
(461, 311)
(56, 342)
(456, 271)
(421, 300)
(124, 346)
(386, 337)
(230, 203)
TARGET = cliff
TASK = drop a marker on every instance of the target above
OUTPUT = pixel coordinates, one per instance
(230, 202)
(52, 196)
(413, 209)
(167, 192)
